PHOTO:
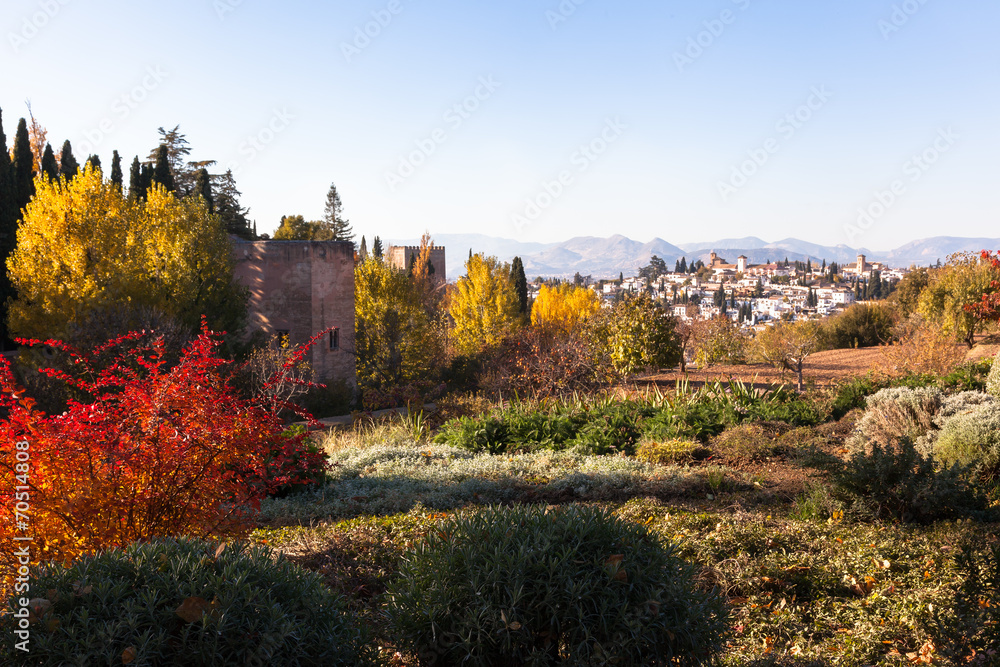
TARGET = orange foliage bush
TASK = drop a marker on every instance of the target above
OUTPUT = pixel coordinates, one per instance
(156, 452)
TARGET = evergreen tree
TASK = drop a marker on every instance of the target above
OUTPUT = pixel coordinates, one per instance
(684, 265)
(823, 268)
(333, 216)
(161, 171)
(203, 187)
(677, 266)
(50, 167)
(363, 251)
(183, 175)
(135, 190)
(68, 166)
(520, 284)
(809, 265)
(116, 170)
(24, 170)
(228, 207)
(94, 162)
(377, 248)
(145, 180)
(8, 231)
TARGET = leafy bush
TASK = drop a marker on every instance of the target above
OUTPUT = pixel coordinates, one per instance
(671, 451)
(529, 586)
(182, 602)
(860, 325)
(155, 453)
(896, 482)
(748, 443)
(971, 376)
(972, 438)
(896, 414)
(993, 381)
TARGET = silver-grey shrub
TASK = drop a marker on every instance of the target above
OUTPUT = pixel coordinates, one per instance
(993, 379)
(894, 414)
(972, 438)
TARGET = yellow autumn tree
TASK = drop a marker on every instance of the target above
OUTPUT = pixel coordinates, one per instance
(83, 247)
(563, 308)
(484, 305)
(396, 340)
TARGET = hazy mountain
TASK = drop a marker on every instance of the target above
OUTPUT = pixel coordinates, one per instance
(607, 257)
(929, 251)
(598, 257)
(745, 243)
(458, 246)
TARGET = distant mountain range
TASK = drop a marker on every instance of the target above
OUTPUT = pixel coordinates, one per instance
(607, 257)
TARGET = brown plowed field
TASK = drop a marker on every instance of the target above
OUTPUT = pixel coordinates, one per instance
(821, 369)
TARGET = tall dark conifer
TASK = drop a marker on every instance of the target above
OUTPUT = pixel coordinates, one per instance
(116, 170)
(68, 166)
(24, 168)
(8, 231)
(50, 167)
(135, 190)
(520, 284)
(161, 172)
(377, 248)
(94, 162)
(145, 180)
(203, 187)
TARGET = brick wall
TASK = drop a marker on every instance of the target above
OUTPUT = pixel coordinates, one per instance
(303, 287)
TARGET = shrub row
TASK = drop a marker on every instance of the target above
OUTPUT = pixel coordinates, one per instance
(617, 426)
(522, 585)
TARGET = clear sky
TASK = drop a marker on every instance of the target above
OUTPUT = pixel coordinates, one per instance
(684, 120)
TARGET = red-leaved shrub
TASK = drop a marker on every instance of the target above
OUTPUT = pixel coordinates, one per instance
(152, 452)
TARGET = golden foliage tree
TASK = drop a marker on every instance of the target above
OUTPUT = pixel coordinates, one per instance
(83, 247)
(962, 281)
(563, 308)
(395, 338)
(426, 281)
(484, 305)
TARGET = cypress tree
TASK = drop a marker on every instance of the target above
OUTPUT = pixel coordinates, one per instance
(116, 170)
(161, 172)
(24, 169)
(684, 265)
(377, 248)
(145, 180)
(203, 187)
(135, 190)
(363, 252)
(520, 284)
(8, 230)
(49, 165)
(94, 162)
(68, 166)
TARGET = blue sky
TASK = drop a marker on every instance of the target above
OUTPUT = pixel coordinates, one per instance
(682, 120)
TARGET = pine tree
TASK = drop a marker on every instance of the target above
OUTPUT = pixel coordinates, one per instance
(161, 171)
(228, 207)
(68, 166)
(116, 170)
(377, 248)
(183, 176)
(333, 216)
(24, 169)
(50, 167)
(135, 190)
(94, 162)
(203, 187)
(520, 284)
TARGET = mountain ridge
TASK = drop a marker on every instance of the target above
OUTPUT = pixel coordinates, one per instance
(606, 257)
